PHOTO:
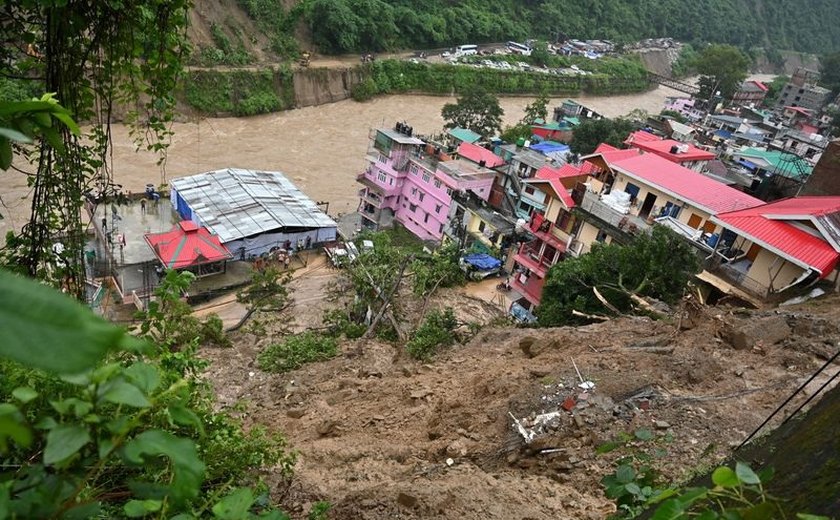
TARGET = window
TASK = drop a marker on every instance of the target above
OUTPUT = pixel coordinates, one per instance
(414, 169)
(481, 226)
(438, 207)
(427, 177)
(632, 190)
(563, 219)
(412, 207)
(382, 158)
(426, 219)
(414, 191)
(529, 190)
(440, 229)
(449, 191)
(437, 183)
(391, 181)
(422, 196)
(381, 176)
(601, 236)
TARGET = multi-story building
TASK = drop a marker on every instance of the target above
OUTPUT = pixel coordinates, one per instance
(751, 92)
(412, 182)
(803, 91)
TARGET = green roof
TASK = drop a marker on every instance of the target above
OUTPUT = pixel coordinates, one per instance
(778, 162)
(462, 134)
(574, 121)
(554, 125)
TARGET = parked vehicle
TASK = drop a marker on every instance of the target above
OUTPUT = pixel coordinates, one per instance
(466, 50)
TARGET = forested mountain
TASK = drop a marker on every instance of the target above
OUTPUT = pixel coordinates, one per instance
(340, 26)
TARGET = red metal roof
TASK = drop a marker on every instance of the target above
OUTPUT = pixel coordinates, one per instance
(816, 206)
(761, 85)
(610, 154)
(684, 184)
(662, 147)
(477, 154)
(784, 238)
(187, 245)
(563, 172)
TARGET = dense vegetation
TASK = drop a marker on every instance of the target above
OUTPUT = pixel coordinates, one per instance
(240, 92)
(391, 76)
(341, 26)
(657, 265)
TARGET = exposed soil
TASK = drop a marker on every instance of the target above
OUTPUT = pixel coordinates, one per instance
(375, 429)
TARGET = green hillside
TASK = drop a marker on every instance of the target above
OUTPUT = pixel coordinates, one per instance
(341, 26)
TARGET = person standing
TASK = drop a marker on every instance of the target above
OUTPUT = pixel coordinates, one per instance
(142, 206)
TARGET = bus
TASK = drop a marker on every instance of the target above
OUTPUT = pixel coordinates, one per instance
(466, 50)
(519, 48)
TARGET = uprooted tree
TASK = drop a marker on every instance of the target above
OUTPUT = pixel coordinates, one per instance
(613, 279)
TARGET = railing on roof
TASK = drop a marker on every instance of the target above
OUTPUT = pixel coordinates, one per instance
(736, 277)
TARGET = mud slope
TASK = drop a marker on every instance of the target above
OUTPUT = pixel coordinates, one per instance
(375, 429)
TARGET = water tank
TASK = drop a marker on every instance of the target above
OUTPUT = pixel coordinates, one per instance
(520, 141)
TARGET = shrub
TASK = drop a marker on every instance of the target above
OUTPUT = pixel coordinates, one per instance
(436, 331)
(364, 91)
(296, 350)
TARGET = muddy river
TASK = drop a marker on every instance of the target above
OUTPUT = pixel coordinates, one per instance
(320, 148)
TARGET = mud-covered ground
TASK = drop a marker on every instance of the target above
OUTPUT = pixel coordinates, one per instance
(380, 435)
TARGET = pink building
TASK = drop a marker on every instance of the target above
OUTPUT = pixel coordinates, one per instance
(412, 182)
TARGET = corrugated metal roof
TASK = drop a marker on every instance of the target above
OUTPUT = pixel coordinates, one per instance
(400, 138)
(234, 203)
(684, 184)
(782, 237)
(462, 134)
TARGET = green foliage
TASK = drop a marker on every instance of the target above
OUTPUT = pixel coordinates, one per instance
(591, 132)
(294, 351)
(115, 431)
(339, 323)
(511, 134)
(830, 72)
(536, 110)
(239, 92)
(433, 333)
(342, 26)
(169, 322)
(658, 265)
(224, 52)
(272, 18)
(673, 114)
(685, 63)
(440, 269)
(539, 54)
(724, 67)
(475, 110)
(364, 90)
(774, 88)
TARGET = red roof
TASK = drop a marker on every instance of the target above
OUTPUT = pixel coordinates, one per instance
(761, 85)
(663, 147)
(640, 136)
(558, 188)
(684, 184)
(610, 154)
(187, 245)
(803, 111)
(477, 154)
(762, 226)
(813, 206)
(563, 172)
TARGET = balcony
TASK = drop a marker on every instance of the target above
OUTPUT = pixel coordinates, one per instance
(735, 273)
(548, 232)
(369, 178)
(530, 288)
(628, 225)
(371, 197)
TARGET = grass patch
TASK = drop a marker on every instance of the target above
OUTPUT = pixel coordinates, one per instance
(435, 332)
(297, 350)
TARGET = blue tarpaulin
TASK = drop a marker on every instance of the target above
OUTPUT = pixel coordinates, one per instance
(483, 261)
(549, 147)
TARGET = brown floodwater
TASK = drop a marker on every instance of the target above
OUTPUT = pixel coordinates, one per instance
(320, 148)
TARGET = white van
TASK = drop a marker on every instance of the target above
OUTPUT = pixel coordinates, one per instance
(466, 50)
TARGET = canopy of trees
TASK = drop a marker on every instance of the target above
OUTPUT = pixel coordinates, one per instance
(372, 25)
(475, 110)
(593, 132)
(657, 265)
(724, 68)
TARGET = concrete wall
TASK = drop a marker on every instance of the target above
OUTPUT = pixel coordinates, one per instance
(587, 235)
(772, 271)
